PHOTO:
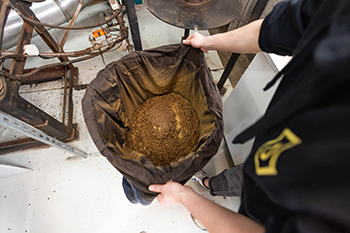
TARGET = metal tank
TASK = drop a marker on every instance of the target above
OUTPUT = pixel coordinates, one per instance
(54, 12)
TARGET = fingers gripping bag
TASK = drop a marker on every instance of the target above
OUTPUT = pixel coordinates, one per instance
(122, 86)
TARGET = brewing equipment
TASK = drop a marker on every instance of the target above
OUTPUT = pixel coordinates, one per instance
(14, 109)
(205, 14)
(196, 14)
(17, 27)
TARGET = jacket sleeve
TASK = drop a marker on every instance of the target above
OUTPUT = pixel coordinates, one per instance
(284, 26)
(302, 223)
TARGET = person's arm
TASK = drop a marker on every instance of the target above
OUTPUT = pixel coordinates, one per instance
(214, 217)
(242, 40)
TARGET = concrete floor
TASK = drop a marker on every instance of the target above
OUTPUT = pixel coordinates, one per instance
(85, 195)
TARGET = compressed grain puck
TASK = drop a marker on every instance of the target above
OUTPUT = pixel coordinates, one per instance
(163, 128)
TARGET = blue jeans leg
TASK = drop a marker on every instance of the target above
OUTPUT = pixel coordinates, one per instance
(133, 193)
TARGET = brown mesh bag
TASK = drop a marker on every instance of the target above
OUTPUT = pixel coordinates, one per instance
(117, 91)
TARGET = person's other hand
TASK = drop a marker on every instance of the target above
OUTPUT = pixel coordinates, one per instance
(196, 40)
(170, 193)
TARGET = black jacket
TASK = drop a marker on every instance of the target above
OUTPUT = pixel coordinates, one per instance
(297, 177)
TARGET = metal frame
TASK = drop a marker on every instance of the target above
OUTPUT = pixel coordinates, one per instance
(257, 12)
(10, 100)
(133, 23)
(27, 118)
(28, 130)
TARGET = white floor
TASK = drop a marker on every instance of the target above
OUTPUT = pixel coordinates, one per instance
(86, 195)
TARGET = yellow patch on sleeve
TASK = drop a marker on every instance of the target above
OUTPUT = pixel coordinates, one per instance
(266, 157)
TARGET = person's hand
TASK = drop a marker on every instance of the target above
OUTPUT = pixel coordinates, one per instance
(196, 40)
(170, 193)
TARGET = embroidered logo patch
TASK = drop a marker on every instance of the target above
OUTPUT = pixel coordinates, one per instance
(266, 157)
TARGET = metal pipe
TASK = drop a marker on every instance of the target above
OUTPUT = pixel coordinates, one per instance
(55, 12)
(4, 11)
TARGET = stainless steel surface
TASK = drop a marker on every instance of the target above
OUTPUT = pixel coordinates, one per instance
(55, 12)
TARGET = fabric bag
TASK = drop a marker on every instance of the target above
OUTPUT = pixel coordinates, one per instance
(123, 85)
